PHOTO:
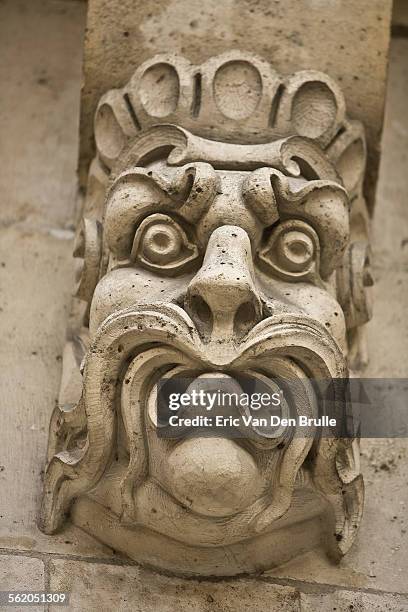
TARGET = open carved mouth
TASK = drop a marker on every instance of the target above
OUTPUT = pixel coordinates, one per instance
(229, 474)
(184, 404)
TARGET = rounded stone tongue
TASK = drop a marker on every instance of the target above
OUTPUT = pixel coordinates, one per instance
(215, 391)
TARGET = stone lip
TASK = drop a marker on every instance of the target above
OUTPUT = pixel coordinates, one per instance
(280, 333)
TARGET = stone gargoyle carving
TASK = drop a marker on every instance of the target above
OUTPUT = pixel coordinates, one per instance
(224, 231)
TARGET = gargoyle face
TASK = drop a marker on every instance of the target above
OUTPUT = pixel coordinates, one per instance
(224, 236)
(233, 250)
(223, 273)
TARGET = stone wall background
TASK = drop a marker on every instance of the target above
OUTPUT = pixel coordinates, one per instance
(40, 73)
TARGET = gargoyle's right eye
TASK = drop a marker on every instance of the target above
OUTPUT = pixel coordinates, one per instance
(160, 244)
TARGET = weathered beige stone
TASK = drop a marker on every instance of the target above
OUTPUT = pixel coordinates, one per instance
(379, 559)
(106, 587)
(400, 17)
(387, 334)
(19, 573)
(385, 532)
(346, 601)
(383, 528)
(207, 252)
(348, 40)
(388, 349)
(39, 142)
(41, 41)
(30, 361)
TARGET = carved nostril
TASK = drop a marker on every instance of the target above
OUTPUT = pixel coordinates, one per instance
(244, 319)
(201, 313)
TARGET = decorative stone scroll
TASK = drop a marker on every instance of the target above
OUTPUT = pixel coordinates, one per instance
(225, 233)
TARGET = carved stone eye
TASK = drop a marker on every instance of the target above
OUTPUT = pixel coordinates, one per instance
(297, 250)
(160, 244)
(292, 250)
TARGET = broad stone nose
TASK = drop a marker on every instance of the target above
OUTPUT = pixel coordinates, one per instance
(222, 297)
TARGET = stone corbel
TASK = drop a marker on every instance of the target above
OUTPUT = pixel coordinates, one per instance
(225, 233)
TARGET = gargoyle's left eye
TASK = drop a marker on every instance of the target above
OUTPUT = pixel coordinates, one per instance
(160, 244)
(292, 250)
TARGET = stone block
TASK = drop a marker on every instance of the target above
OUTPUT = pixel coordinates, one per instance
(348, 40)
(352, 601)
(35, 271)
(383, 461)
(40, 70)
(21, 574)
(400, 17)
(132, 589)
(42, 42)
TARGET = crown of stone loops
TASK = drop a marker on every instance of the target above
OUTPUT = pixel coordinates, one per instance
(235, 97)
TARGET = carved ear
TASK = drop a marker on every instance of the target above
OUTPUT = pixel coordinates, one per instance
(354, 280)
(88, 252)
(336, 473)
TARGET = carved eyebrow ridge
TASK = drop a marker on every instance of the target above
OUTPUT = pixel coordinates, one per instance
(139, 192)
(324, 204)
